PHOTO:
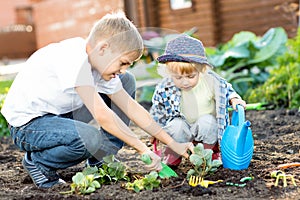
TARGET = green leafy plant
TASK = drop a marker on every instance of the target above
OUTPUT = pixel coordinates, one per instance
(246, 59)
(84, 182)
(282, 88)
(112, 171)
(91, 178)
(4, 87)
(149, 182)
(202, 162)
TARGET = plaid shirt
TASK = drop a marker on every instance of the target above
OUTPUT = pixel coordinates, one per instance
(167, 97)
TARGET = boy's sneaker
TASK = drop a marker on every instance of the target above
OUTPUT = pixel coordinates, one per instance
(92, 162)
(38, 178)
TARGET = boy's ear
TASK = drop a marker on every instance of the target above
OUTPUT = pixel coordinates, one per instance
(101, 47)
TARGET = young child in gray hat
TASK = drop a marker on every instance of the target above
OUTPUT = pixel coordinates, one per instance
(191, 102)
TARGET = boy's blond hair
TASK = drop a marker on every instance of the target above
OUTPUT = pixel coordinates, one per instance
(186, 67)
(119, 32)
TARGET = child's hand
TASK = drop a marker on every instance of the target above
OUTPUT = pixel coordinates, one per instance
(236, 101)
(155, 165)
(182, 148)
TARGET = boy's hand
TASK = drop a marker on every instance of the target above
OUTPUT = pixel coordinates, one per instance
(236, 101)
(155, 165)
(181, 148)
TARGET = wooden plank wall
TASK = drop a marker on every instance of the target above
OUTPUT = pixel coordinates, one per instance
(218, 20)
(253, 15)
(201, 15)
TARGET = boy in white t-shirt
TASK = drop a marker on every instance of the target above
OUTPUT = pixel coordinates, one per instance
(56, 94)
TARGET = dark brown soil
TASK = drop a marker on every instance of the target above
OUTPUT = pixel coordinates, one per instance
(277, 141)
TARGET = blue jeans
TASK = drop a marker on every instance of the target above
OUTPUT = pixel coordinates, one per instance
(57, 142)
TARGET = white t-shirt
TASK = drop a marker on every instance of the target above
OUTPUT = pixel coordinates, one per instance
(47, 81)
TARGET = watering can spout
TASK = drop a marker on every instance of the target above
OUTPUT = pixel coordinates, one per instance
(242, 137)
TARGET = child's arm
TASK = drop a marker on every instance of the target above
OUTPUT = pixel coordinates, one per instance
(113, 124)
(142, 118)
(234, 98)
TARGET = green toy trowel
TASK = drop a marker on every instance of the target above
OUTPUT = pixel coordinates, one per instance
(166, 171)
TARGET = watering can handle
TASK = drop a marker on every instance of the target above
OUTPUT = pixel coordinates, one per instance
(238, 117)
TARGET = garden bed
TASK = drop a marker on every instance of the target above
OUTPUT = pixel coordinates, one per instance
(277, 141)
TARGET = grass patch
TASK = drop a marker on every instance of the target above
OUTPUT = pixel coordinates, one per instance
(4, 85)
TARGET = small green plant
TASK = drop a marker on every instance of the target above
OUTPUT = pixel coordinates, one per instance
(149, 182)
(112, 171)
(84, 182)
(202, 162)
(91, 178)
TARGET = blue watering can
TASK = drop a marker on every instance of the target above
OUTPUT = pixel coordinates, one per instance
(237, 143)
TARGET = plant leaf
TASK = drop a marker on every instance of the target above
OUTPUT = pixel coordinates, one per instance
(196, 160)
(272, 41)
(90, 170)
(199, 148)
(79, 178)
(109, 159)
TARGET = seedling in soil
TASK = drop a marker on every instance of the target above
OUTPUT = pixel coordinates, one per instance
(202, 162)
(91, 178)
(149, 182)
(84, 182)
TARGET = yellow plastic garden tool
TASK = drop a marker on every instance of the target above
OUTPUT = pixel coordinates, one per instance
(196, 180)
(281, 175)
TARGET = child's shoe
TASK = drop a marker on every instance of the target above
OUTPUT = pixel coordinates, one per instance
(172, 159)
(38, 178)
(216, 156)
(92, 162)
(216, 152)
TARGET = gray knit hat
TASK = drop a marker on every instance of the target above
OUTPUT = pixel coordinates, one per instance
(184, 49)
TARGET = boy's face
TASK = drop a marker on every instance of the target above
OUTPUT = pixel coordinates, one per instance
(110, 64)
(185, 81)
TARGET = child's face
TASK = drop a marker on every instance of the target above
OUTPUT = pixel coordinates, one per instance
(109, 64)
(185, 81)
(118, 66)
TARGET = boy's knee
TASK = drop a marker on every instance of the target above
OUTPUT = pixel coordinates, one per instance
(91, 139)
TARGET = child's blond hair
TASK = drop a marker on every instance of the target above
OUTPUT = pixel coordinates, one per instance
(186, 67)
(119, 32)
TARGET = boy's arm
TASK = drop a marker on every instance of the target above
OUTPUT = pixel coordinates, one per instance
(108, 119)
(142, 118)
